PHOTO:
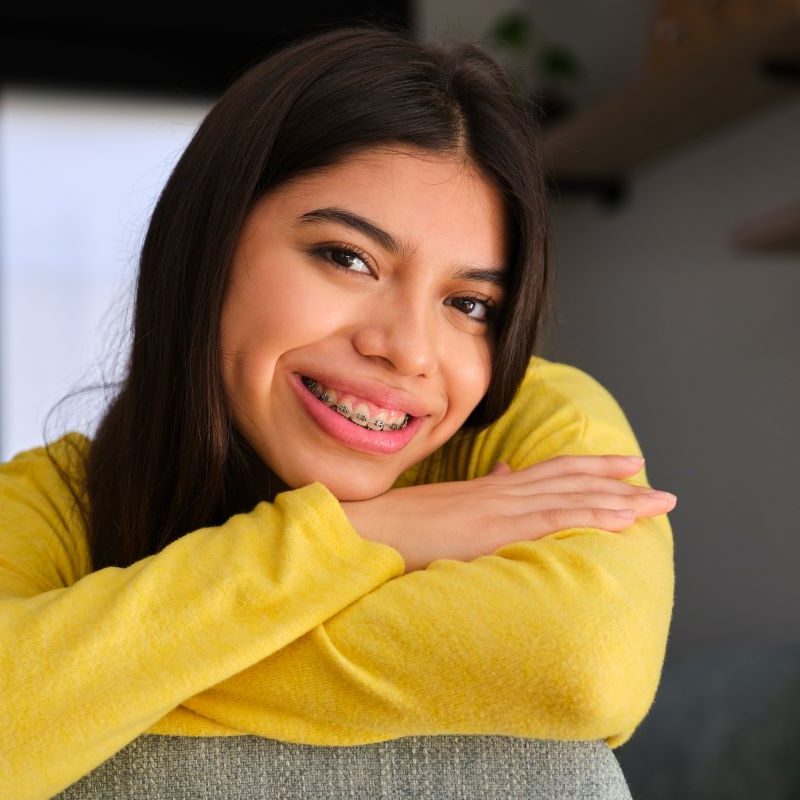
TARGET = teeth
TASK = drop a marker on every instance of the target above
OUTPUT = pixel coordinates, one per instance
(357, 414)
(378, 423)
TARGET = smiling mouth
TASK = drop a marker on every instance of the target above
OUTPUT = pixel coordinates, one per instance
(355, 412)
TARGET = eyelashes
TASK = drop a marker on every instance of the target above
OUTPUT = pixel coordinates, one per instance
(490, 311)
(330, 253)
(349, 252)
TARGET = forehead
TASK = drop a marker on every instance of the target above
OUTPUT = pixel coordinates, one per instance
(423, 198)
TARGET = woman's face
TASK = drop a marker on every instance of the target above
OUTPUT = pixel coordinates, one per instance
(374, 279)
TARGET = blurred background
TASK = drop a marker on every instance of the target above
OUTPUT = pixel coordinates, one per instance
(671, 131)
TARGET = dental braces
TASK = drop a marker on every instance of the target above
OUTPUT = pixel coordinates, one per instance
(346, 411)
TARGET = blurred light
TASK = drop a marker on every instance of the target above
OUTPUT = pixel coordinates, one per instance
(79, 176)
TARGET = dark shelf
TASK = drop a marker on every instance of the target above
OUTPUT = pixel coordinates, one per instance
(666, 108)
(777, 232)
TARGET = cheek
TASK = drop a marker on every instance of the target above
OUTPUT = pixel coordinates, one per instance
(270, 313)
(263, 309)
(468, 378)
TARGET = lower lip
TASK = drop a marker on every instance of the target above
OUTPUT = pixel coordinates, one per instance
(341, 429)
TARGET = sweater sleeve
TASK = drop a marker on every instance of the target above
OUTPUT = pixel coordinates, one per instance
(90, 660)
(562, 637)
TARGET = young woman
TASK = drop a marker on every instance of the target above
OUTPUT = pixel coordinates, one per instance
(337, 499)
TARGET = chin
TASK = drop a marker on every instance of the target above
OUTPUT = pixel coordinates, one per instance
(353, 487)
(348, 494)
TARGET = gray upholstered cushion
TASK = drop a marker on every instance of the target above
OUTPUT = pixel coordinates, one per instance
(435, 767)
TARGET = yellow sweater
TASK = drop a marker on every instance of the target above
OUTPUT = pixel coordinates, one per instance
(283, 622)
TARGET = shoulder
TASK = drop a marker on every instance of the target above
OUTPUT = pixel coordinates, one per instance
(559, 409)
(551, 385)
(45, 464)
(40, 518)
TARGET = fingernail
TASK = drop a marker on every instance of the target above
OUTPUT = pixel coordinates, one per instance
(627, 514)
(635, 459)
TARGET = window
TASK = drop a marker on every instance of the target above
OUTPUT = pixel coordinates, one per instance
(79, 175)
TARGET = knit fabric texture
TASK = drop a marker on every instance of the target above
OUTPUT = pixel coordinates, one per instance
(284, 623)
(433, 767)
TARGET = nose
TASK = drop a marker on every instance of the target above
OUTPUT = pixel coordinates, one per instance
(400, 333)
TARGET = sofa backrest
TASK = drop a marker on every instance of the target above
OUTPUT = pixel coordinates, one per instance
(436, 767)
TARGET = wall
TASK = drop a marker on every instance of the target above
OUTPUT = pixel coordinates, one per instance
(697, 341)
(458, 20)
(700, 345)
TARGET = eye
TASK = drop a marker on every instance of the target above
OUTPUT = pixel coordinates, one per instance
(344, 257)
(476, 308)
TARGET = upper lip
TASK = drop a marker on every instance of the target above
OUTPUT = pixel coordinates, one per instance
(372, 391)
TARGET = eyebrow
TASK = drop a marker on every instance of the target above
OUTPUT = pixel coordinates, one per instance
(495, 275)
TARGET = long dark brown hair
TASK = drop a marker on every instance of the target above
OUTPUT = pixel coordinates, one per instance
(166, 458)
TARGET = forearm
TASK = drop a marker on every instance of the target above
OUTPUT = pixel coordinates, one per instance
(561, 638)
(88, 667)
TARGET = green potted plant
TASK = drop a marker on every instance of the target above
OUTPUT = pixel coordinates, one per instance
(544, 70)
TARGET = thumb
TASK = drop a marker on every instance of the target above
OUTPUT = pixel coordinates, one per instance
(500, 468)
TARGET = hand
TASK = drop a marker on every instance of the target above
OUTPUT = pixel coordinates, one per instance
(466, 519)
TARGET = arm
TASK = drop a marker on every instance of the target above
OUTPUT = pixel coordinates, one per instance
(562, 637)
(90, 661)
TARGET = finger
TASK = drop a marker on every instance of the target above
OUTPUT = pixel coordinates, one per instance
(603, 465)
(500, 468)
(561, 519)
(574, 483)
(643, 503)
(547, 507)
